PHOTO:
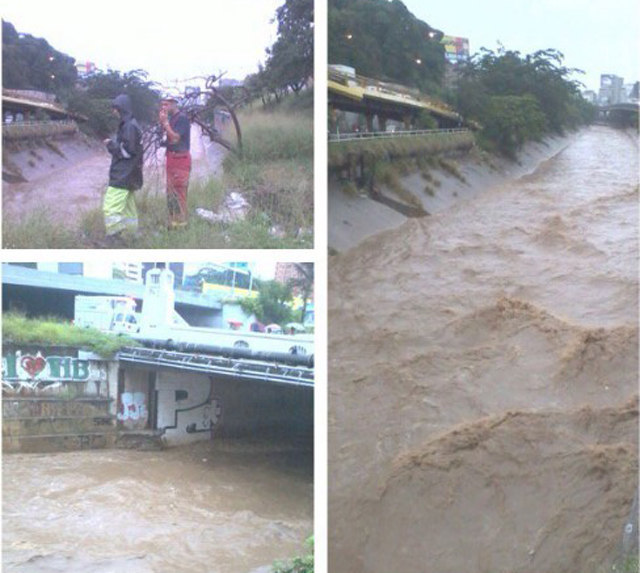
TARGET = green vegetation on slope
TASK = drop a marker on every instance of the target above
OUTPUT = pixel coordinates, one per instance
(303, 564)
(340, 154)
(18, 329)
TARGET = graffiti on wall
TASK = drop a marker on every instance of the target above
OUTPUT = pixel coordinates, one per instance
(33, 372)
(207, 414)
(19, 366)
(132, 406)
(209, 417)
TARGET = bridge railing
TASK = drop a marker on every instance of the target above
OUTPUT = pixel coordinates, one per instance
(369, 135)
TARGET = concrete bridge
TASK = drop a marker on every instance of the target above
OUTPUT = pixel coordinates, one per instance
(384, 100)
(620, 113)
(43, 293)
(58, 398)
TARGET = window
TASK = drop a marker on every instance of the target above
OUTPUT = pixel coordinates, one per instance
(70, 268)
(25, 265)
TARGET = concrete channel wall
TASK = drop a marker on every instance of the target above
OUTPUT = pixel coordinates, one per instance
(60, 398)
(55, 398)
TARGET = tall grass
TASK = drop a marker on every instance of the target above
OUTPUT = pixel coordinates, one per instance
(276, 135)
(276, 170)
(18, 329)
(38, 230)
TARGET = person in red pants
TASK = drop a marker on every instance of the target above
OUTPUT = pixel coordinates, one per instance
(178, 135)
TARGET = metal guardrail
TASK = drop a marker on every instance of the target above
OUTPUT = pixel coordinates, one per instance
(36, 122)
(244, 369)
(337, 137)
(26, 129)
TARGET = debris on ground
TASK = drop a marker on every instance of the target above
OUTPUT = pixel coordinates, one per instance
(277, 231)
(234, 208)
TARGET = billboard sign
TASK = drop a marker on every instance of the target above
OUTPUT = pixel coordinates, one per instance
(456, 49)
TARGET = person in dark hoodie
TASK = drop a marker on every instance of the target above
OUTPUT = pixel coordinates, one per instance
(125, 173)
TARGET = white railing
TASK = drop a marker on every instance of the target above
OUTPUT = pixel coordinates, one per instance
(26, 129)
(366, 135)
(30, 122)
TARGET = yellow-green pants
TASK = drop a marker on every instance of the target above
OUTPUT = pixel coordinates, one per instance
(119, 210)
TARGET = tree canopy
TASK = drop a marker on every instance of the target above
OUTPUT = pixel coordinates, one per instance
(272, 304)
(30, 63)
(289, 62)
(383, 40)
(519, 98)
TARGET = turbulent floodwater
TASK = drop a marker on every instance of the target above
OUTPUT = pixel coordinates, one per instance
(228, 507)
(483, 376)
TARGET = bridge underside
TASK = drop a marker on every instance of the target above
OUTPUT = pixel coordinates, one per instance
(188, 397)
(620, 115)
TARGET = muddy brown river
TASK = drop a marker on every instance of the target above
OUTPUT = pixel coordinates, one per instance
(483, 367)
(225, 507)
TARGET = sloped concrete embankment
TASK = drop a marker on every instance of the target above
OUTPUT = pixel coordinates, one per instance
(26, 159)
(354, 216)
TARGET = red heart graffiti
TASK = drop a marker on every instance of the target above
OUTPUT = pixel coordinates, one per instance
(33, 364)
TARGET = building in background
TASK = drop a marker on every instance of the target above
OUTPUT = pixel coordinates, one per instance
(611, 89)
(590, 96)
(631, 92)
(178, 270)
(128, 271)
(223, 280)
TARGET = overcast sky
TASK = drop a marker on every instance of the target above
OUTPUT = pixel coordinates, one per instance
(597, 36)
(173, 40)
(199, 38)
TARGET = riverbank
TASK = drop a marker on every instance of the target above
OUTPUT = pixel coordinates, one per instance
(264, 200)
(354, 216)
(493, 350)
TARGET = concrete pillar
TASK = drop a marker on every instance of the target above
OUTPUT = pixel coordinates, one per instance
(382, 122)
(333, 119)
(407, 121)
(369, 118)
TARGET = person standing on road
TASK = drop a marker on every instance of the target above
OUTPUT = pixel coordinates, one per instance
(178, 142)
(125, 173)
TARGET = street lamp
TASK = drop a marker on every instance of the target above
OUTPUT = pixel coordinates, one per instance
(418, 61)
(349, 36)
